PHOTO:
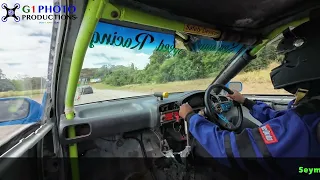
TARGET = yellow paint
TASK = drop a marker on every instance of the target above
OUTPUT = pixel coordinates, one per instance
(165, 94)
(301, 93)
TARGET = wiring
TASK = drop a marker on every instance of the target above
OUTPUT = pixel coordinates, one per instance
(160, 142)
(144, 153)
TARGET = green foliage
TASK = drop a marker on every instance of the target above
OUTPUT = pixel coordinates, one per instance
(163, 67)
(265, 57)
(121, 75)
(29, 83)
(18, 84)
(22, 84)
(6, 85)
(2, 76)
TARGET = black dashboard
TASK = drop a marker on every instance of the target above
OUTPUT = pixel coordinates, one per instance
(112, 117)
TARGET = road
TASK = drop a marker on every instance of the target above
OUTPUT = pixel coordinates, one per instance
(100, 95)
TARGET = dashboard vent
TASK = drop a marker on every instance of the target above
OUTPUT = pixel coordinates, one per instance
(176, 105)
(169, 107)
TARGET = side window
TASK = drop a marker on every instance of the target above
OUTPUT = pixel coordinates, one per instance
(256, 76)
(24, 56)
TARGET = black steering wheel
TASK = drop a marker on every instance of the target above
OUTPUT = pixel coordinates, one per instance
(215, 107)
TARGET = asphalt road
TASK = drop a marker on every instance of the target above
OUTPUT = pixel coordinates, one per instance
(100, 95)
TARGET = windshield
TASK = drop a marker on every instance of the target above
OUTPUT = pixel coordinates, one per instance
(124, 62)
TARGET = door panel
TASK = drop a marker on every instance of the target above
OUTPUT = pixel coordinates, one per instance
(24, 167)
(24, 155)
(11, 135)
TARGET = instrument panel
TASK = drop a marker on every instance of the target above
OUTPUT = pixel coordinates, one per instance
(170, 111)
(195, 101)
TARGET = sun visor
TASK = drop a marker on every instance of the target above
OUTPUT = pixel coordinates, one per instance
(107, 34)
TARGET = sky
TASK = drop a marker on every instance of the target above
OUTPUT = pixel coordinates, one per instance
(102, 54)
(24, 46)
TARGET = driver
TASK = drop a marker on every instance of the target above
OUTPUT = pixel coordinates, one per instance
(288, 133)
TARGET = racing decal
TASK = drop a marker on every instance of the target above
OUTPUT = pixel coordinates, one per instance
(148, 41)
(267, 134)
(193, 29)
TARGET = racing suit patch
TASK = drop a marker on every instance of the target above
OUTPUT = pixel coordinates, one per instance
(267, 134)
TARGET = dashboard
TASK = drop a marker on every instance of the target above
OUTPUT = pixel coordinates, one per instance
(113, 117)
(170, 111)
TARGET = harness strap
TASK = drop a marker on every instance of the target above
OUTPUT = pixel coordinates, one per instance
(309, 107)
(300, 94)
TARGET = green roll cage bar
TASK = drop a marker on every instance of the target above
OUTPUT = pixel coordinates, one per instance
(103, 9)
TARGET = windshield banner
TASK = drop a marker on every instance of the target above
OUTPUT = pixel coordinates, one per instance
(136, 39)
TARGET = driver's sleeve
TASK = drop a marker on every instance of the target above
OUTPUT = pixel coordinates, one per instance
(283, 136)
(261, 111)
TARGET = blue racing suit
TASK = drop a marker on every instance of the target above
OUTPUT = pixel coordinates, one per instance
(283, 134)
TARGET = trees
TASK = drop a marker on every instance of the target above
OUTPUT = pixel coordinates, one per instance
(163, 67)
(2, 76)
(21, 84)
(264, 58)
(6, 85)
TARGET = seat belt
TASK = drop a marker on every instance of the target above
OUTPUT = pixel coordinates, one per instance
(308, 106)
(318, 132)
(300, 94)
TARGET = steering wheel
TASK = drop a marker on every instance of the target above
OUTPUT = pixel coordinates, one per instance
(215, 108)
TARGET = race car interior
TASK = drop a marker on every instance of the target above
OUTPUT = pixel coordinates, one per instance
(149, 126)
(142, 137)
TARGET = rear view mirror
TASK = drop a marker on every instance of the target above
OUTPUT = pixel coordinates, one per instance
(234, 86)
(18, 110)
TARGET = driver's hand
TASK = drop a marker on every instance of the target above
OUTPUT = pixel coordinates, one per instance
(236, 96)
(201, 112)
(185, 109)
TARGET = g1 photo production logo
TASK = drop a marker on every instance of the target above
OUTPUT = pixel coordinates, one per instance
(43, 13)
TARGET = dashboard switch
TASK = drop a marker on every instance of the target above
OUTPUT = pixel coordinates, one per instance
(168, 116)
(176, 115)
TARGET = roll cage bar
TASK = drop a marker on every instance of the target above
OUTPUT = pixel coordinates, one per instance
(103, 9)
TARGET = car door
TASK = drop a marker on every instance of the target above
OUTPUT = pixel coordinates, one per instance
(26, 148)
(29, 147)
